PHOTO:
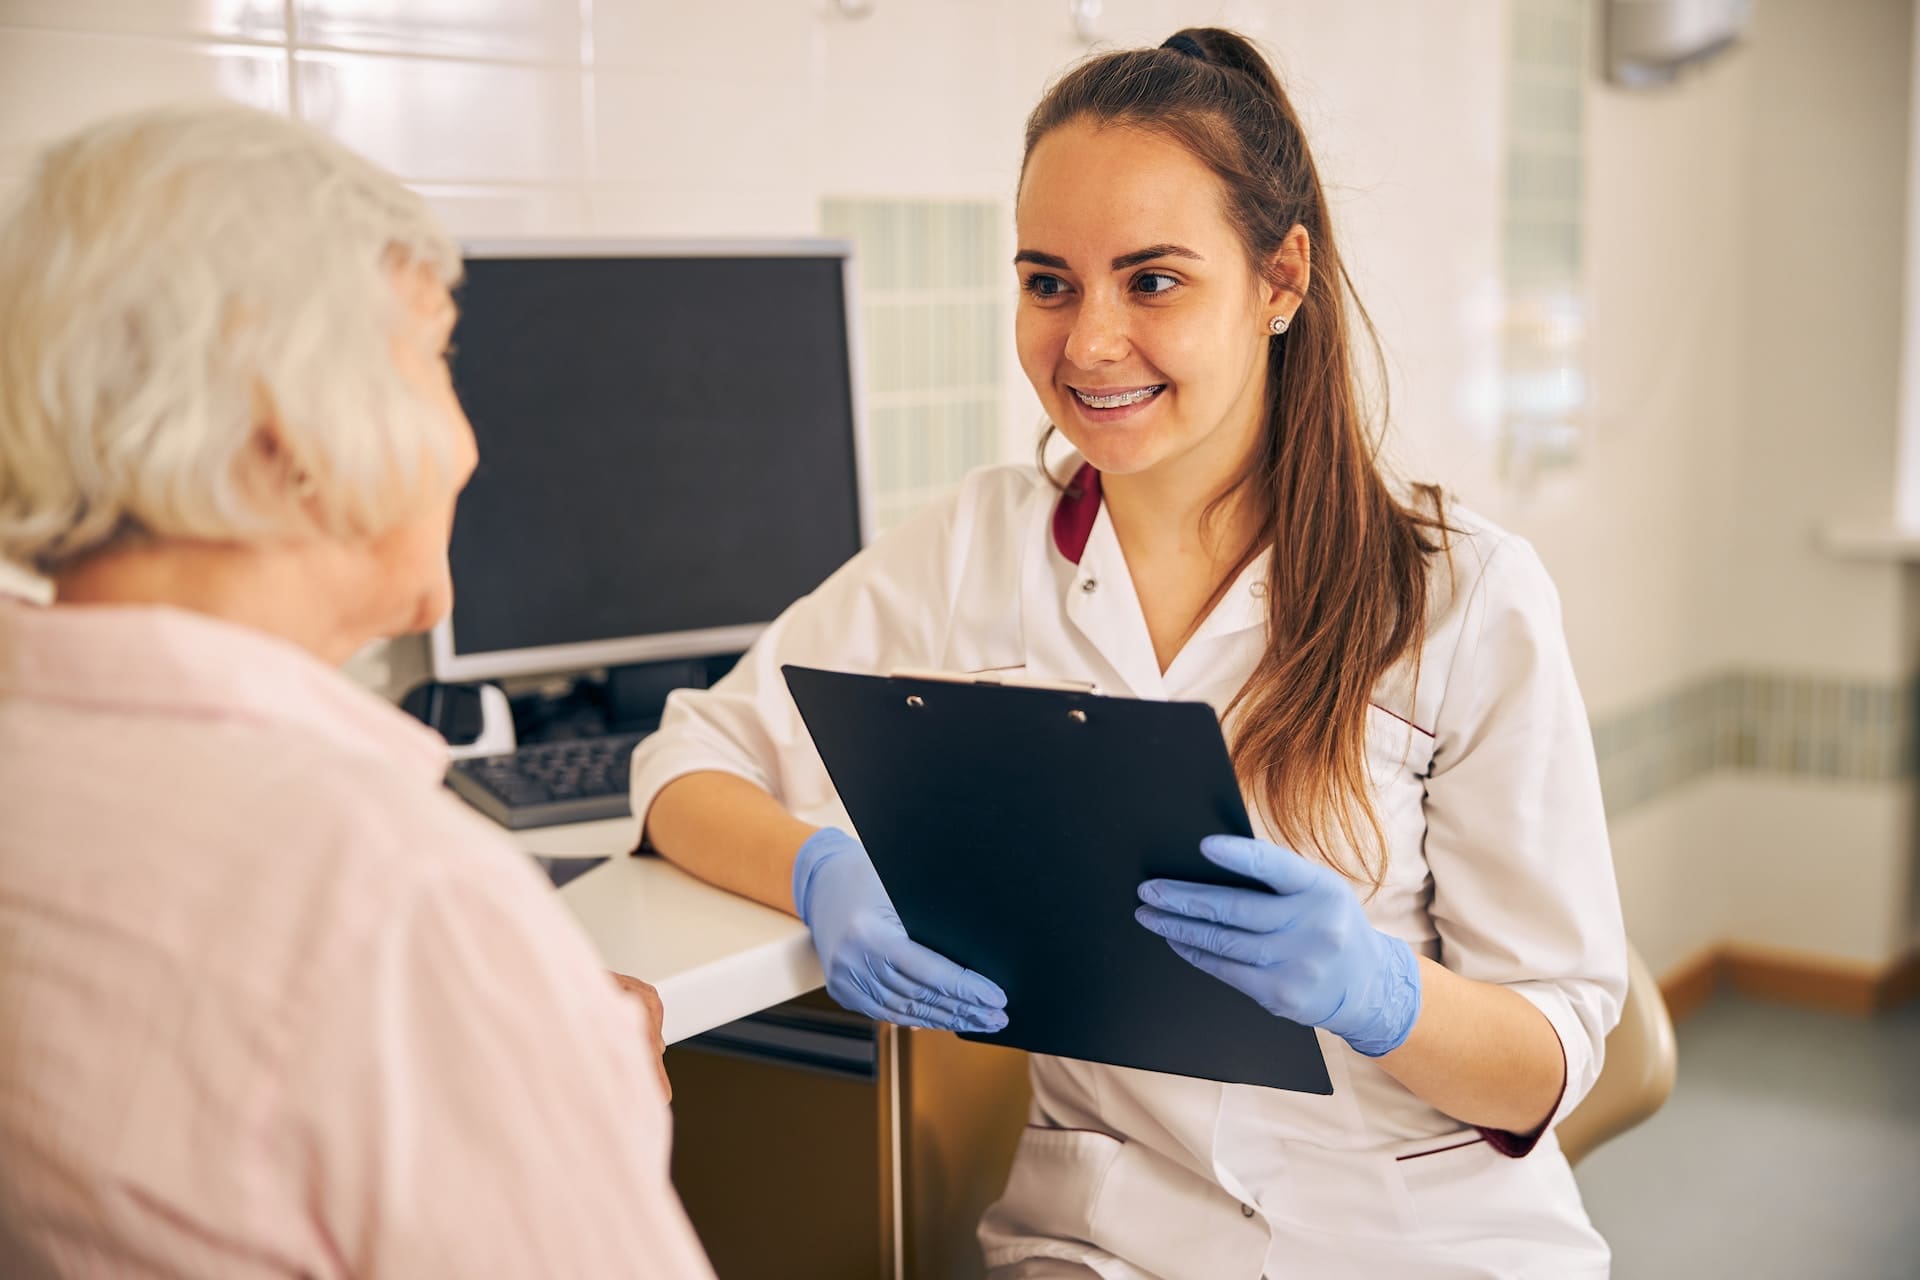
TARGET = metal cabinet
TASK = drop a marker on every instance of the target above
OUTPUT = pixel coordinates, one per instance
(810, 1143)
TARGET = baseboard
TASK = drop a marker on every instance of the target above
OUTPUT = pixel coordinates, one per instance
(1692, 983)
(1812, 982)
(1789, 977)
(1902, 982)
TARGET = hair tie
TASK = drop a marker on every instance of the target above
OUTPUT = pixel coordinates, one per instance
(1186, 44)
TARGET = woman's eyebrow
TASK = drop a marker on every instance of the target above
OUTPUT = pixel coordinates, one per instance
(1151, 252)
(1040, 259)
(1120, 263)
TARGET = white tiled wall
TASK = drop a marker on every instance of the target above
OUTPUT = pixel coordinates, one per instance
(437, 120)
(54, 81)
(245, 19)
(513, 31)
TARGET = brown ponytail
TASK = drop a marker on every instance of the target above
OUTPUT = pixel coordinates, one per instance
(1348, 596)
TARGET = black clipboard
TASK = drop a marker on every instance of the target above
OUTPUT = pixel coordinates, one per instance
(1012, 825)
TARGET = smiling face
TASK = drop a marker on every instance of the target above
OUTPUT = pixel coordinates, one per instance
(1141, 324)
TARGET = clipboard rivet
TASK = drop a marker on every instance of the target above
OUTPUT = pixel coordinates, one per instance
(1077, 716)
(915, 700)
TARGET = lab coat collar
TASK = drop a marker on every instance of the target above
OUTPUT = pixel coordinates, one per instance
(1245, 603)
(1075, 512)
(161, 661)
(1102, 605)
(1101, 601)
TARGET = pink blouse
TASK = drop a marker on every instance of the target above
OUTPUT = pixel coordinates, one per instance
(272, 1003)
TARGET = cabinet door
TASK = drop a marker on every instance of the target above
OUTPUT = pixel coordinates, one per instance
(963, 1106)
(777, 1151)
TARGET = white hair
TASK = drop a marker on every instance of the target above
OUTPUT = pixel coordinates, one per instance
(172, 280)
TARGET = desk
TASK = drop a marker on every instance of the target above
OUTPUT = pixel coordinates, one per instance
(712, 955)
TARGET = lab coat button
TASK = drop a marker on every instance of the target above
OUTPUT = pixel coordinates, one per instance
(1090, 585)
(1246, 1211)
(1259, 590)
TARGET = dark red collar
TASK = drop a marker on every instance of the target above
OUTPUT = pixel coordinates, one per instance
(1074, 514)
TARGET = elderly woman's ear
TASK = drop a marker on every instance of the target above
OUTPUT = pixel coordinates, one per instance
(272, 478)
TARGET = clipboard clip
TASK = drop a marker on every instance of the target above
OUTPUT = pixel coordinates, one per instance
(995, 678)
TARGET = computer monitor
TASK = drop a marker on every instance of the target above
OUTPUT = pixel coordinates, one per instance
(670, 449)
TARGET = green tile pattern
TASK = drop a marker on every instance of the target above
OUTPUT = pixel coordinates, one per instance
(1756, 721)
(932, 297)
(1543, 390)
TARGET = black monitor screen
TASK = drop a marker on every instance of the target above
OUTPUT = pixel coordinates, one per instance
(666, 444)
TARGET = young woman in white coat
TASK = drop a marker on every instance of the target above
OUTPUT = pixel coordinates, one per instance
(1390, 672)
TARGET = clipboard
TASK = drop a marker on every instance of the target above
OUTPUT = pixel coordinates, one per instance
(1012, 825)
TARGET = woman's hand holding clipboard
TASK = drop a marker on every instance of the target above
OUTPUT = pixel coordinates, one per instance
(872, 966)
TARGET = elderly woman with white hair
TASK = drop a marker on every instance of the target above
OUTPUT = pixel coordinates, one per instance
(271, 1002)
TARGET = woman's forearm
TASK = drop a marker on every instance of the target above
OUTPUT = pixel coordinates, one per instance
(730, 833)
(1481, 1053)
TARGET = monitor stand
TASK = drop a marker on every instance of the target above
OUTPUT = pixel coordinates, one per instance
(623, 699)
(636, 695)
(496, 736)
(475, 719)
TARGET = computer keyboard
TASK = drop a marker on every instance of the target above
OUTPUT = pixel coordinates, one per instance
(548, 783)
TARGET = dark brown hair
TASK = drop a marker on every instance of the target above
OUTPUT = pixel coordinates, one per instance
(1348, 596)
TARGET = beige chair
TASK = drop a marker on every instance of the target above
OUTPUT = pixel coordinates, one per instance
(1638, 1072)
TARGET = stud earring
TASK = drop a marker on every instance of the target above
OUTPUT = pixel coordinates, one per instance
(1278, 325)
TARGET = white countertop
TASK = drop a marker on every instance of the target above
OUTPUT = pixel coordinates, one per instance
(713, 956)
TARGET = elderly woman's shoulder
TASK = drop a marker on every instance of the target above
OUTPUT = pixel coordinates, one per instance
(362, 811)
(353, 840)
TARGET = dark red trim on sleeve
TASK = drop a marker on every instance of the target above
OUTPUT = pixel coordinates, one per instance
(1512, 1144)
(1518, 1144)
(1074, 514)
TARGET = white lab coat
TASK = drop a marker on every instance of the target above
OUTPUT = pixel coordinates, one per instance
(1499, 867)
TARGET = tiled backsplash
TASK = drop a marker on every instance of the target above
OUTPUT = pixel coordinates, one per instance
(1542, 236)
(931, 300)
(1841, 730)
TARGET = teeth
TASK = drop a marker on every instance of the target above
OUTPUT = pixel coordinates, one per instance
(1114, 402)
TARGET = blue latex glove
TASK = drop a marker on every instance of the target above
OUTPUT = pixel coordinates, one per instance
(872, 966)
(1304, 951)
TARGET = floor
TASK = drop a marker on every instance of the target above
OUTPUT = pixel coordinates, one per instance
(1790, 1148)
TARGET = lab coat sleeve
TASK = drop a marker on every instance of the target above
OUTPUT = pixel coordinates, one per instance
(1523, 882)
(887, 607)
